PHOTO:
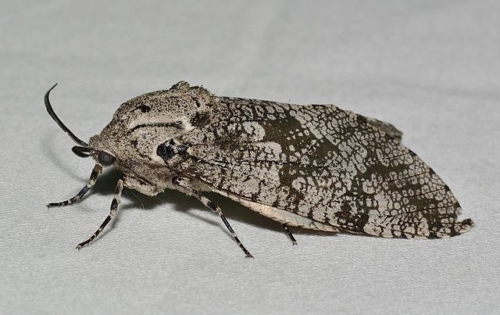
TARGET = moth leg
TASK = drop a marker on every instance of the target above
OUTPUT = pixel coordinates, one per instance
(215, 208)
(93, 178)
(290, 235)
(111, 215)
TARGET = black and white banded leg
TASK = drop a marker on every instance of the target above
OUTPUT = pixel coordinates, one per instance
(184, 183)
(290, 235)
(112, 214)
(93, 178)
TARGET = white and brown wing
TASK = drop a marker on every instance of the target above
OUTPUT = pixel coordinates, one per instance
(321, 167)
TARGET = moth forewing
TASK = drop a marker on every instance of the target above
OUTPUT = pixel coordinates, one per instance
(313, 166)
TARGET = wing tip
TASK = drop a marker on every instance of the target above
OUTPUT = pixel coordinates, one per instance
(451, 230)
(464, 226)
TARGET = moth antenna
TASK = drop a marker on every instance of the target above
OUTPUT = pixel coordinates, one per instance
(59, 122)
(82, 151)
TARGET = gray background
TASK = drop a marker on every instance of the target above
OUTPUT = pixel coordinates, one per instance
(430, 67)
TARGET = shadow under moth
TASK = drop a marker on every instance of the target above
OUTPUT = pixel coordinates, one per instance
(311, 166)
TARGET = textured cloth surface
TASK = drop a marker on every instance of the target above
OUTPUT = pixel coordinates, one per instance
(432, 68)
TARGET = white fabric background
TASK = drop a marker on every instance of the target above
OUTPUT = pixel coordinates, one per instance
(432, 68)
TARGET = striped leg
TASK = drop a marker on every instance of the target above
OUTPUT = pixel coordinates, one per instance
(93, 178)
(184, 183)
(112, 213)
(290, 235)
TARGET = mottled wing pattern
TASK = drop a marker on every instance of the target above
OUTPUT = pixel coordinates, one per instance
(386, 127)
(322, 163)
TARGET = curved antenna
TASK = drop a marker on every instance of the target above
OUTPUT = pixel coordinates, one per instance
(82, 151)
(58, 121)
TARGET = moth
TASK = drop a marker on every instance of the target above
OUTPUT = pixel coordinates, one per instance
(310, 166)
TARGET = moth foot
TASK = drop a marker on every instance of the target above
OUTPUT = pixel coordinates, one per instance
(58, 204)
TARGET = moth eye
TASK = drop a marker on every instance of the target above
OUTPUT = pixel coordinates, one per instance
(105, 158)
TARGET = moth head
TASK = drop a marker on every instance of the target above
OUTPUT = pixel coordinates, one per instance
(143, 123)
(82, 149)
